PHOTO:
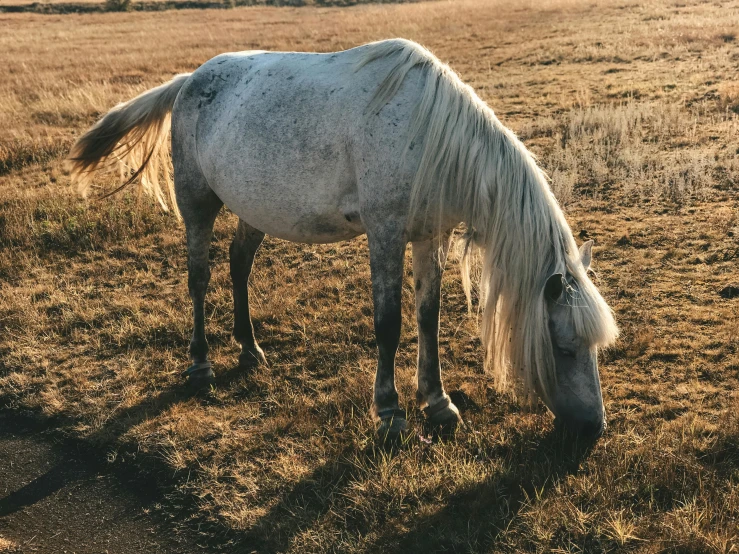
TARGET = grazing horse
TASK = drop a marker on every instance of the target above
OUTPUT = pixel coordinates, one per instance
(383, 140)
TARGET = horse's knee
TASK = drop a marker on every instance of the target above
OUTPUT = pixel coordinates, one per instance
(197, 289)
(387, 327)
(427, 315)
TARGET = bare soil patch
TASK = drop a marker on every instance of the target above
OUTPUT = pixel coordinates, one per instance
(58, 497)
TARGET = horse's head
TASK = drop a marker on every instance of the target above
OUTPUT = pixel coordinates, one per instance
(574, 395)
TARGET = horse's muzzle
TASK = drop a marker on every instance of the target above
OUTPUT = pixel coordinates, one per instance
(589, 429)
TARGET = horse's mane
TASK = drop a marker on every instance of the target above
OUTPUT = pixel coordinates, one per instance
(472, 162)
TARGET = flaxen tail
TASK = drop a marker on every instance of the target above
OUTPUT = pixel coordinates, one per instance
(131, 137)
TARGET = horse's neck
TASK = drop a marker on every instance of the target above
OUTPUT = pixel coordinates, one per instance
(526, 208)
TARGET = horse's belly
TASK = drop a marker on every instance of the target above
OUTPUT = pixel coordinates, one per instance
(290, 213)
(309, 227)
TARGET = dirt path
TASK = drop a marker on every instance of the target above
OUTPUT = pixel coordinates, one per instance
(57, 499)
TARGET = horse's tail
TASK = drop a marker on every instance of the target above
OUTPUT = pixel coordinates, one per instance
(133, 137)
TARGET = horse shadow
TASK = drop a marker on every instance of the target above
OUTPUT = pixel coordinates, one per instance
(55, 479)
(533, 464)
(85, 451)
(74, 460)
(479, 514)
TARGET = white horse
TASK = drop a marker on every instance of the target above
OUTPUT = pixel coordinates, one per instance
(386, 140)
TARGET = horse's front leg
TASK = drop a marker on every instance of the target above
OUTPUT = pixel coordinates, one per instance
(387, 250)
(429, 258)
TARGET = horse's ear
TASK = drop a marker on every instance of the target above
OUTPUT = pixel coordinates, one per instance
(586, 254)
(554, 287)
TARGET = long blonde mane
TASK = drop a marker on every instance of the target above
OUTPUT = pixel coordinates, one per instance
(474, 165)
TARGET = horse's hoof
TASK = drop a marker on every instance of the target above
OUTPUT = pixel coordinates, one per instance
(393, 425)
(252, 358)
(200, 376)
(443, 415)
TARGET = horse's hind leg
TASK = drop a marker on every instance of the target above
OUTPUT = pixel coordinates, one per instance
(199, 207)
(428, 265)
(243, 249)
(387, 250)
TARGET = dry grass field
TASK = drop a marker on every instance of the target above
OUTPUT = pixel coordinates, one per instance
(97, 6)
(632, 108)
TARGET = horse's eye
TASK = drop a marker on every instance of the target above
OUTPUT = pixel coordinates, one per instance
(564, 352)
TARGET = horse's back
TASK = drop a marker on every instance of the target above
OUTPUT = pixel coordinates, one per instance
(284, 139)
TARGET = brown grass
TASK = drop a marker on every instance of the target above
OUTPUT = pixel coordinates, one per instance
(98, 6)
(7, 546)
(631, 107)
